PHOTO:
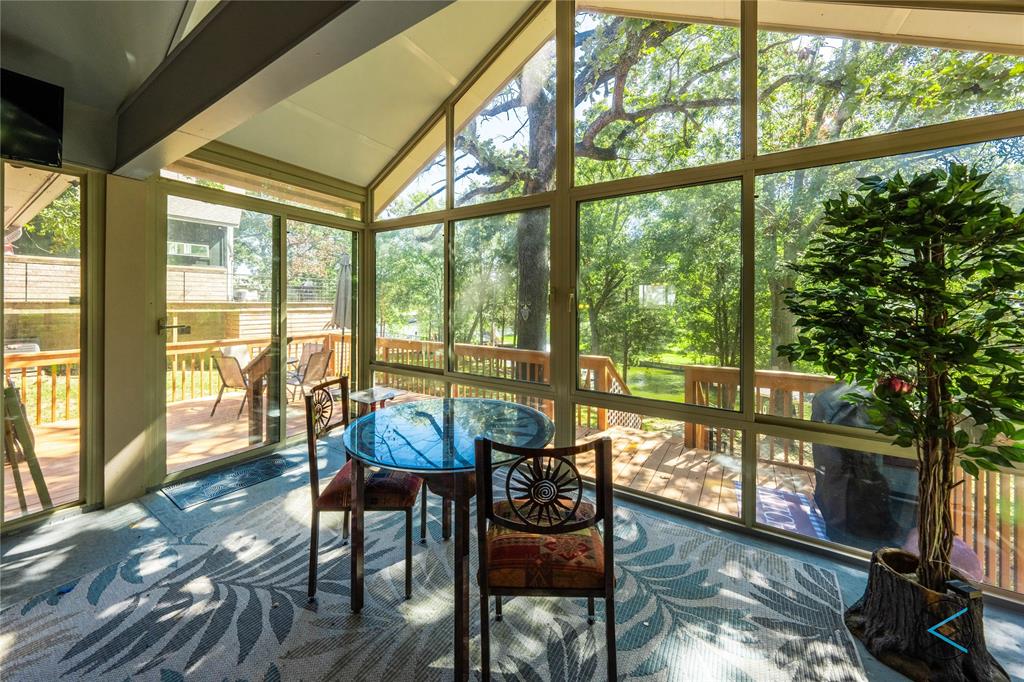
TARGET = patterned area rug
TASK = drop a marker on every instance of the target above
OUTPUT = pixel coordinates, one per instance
(228, 603)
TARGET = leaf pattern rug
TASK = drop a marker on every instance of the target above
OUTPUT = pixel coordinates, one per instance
(228, 602)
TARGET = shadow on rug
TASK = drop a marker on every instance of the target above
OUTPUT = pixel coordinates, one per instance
(229, 602)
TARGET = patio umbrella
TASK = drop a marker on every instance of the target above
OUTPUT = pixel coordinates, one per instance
(341, 315)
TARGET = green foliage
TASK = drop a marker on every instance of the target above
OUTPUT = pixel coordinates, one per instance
(921, 281)
(410, 275)
(57, 229)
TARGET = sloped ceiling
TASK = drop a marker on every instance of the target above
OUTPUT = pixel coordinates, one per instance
(351, 123)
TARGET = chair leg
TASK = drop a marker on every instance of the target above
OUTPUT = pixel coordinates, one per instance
(590, 610)
(217, 402)
(314, 540)
(242, 406)
(344, 528)
(408, 553)
(423, 516)
(609, 634)
(446, 518)
(497, 607)
(485, 636)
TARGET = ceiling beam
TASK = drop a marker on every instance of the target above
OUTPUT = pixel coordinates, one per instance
(244, 59)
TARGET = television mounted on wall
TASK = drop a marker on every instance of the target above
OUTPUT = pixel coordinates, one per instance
(31, 119)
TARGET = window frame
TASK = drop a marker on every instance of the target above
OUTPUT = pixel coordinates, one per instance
(564, 203)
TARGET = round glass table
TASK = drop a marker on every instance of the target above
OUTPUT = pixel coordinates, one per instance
(437, 436)
(435, 439)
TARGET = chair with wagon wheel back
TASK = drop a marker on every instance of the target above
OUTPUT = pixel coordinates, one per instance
(541, 539)
(382, 490)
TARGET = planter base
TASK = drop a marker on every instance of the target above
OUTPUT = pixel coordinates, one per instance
(893, 617)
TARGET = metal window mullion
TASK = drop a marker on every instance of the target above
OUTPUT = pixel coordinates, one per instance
(563, 354)
(748, 153)
(281, 283)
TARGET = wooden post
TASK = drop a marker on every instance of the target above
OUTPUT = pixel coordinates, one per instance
(690, 398)
(602, 387)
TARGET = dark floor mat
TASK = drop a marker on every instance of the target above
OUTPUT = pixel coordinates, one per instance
(216, 484)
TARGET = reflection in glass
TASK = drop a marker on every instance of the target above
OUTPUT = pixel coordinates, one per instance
(433, 435)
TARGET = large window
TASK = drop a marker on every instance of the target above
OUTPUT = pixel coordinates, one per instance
(788, 215)
(653, 95)
(42, 338)
(500, 313)
(822, 88)
(505, 136)
(418, 183)
(320, 311)
(659, 295)
(409, 292)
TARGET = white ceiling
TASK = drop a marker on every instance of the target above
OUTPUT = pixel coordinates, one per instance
(349, 124)
(100, 52)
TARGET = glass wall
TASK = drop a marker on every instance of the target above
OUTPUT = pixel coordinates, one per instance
(418, 183)
(675, 227)
(320, 312)
(500, 315)
(42, 338)
(222, 372)
(659, 295)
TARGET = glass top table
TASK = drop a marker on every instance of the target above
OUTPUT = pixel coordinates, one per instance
(437, 436)
(435, 439)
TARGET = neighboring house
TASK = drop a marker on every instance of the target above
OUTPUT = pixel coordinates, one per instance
(199, 258)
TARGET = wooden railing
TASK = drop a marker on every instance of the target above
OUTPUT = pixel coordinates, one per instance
(775, 392)
(987, 512)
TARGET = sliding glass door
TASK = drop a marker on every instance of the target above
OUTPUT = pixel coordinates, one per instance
(222, 343)
(42, 337)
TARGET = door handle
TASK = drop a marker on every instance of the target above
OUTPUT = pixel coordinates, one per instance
(162, 326)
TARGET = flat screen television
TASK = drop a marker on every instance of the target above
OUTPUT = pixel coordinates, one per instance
(31, 119)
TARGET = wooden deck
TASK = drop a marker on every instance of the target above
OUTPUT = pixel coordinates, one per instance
(659, 463)
(193, 438)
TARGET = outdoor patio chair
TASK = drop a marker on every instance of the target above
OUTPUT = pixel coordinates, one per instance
(542, 540)
(231, 376)
(304, 354)
(313, 372)
(382, 490)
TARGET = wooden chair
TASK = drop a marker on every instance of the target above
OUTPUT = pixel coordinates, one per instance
(382, 490)
(313, 372)
(231, 376)
(543, 501)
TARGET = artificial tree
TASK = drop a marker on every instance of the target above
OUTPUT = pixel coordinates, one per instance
(914, 291)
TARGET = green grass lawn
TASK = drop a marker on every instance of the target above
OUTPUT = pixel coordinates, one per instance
(657, 384)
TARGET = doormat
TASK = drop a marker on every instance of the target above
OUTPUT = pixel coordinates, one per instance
(189, 493)
(787, 510)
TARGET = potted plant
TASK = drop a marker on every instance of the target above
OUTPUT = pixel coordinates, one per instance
(914, 290)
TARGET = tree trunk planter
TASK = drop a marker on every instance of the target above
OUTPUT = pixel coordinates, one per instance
(892, 620)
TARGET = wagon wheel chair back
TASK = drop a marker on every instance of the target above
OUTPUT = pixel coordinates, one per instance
(541, 537)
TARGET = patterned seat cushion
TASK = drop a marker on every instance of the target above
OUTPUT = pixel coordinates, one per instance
(561, 561)
(382, 490)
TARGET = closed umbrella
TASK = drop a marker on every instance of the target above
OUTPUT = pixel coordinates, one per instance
(341, 315)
